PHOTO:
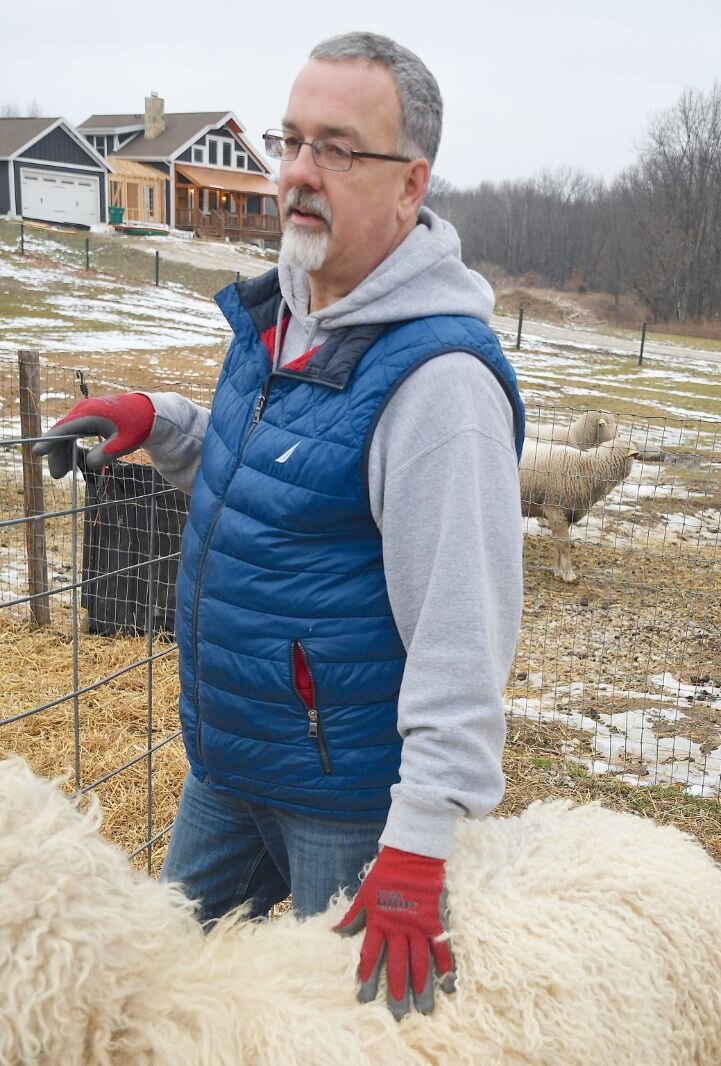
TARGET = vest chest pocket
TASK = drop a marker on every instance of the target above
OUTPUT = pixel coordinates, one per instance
(304, 688)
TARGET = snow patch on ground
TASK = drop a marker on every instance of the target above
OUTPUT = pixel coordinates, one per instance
(630, 737)
(88, 314)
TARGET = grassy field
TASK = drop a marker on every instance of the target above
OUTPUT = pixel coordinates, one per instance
(111, 255)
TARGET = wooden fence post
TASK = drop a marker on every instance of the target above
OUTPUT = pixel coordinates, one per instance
(29, 366)
(643, 342)
(520, 328)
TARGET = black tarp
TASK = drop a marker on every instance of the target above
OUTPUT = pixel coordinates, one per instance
(131, 541)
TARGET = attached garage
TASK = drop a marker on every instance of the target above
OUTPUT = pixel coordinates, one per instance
(60, 197)
(51, 173)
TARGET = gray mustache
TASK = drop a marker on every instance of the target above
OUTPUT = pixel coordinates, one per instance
(309, 202)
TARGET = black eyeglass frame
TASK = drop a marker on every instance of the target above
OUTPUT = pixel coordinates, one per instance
(280, 136)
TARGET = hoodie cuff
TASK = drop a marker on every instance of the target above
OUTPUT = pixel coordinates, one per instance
(419, 829)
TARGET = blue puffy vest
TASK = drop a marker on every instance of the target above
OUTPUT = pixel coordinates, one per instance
(281, 558)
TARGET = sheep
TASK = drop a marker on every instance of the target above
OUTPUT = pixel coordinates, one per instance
(581, 935)
(589, 430)
(560, 483)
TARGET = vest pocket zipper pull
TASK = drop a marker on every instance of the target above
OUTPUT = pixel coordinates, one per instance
(305, 691)
(258, 410)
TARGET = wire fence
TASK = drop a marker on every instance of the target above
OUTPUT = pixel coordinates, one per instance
(617, 671)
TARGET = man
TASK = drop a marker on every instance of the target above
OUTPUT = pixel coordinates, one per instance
(350, 586)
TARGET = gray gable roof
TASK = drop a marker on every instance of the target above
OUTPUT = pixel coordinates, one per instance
(106, 123)
(180, 127)
(15, 133)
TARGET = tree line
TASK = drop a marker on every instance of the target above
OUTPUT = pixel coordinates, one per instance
(654, 231)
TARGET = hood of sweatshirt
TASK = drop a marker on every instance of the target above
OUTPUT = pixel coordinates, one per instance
(423, 276)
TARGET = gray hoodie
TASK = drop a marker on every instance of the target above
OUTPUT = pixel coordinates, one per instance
(444, 494)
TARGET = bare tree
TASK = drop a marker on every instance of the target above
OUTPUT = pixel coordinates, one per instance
(11, 110)
(654, 231)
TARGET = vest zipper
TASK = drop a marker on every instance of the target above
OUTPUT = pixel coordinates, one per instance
(257, 415)
(315, 731)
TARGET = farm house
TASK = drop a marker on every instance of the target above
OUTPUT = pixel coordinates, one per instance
(194, 171)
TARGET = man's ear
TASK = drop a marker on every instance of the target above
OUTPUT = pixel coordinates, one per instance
(414, 189)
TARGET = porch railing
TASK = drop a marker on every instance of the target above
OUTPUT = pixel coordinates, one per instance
(225, 224)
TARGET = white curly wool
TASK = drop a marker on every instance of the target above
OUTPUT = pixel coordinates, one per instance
(582, 937)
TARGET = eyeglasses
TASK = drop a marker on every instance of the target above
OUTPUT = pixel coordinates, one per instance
(328, 153)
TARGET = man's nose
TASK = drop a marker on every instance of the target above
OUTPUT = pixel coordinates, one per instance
(303, 170)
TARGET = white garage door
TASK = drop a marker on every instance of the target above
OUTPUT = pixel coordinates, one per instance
(60, 197)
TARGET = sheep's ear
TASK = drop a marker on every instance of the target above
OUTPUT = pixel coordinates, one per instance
(633, 454)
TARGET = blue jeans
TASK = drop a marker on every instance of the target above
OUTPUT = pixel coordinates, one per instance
(226, 851)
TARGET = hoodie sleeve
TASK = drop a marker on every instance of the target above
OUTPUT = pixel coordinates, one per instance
(176, 439)
(444, 489)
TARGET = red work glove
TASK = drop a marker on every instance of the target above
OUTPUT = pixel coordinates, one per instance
(401, 903)
(125, 421)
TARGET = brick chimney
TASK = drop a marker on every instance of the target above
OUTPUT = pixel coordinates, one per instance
(154, 116)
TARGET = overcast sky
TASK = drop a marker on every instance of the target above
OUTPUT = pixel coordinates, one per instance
(527, 86)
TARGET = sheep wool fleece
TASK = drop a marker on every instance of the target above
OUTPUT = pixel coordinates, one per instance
(281, 556)
(582, 936)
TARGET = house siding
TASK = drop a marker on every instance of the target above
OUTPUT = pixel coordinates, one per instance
(54, 169)
(4, 188)
(224, 135)
(164, 168)
(58, 147)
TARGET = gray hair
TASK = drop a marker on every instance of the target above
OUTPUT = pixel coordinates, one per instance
(418, 92)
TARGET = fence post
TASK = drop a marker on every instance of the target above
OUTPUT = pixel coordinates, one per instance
(22, 238)
(29, 366)
(643, 341)
(157, 267)
(87, 253)
(520, 327)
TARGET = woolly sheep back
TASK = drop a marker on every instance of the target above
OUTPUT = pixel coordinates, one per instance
(581, 935)
(588, 430)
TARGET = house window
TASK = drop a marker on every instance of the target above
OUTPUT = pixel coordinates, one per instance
(198, 154)
(99, 145)
(212, 152)
(227, 154)
(241, 160)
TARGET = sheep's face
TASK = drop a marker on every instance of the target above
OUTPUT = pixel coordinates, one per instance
(632, 454)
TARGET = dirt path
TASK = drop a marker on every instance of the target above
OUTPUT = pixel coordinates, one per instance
(579, 337)
(208, 255)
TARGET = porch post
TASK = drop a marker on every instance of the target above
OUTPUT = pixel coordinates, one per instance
(173, 195)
